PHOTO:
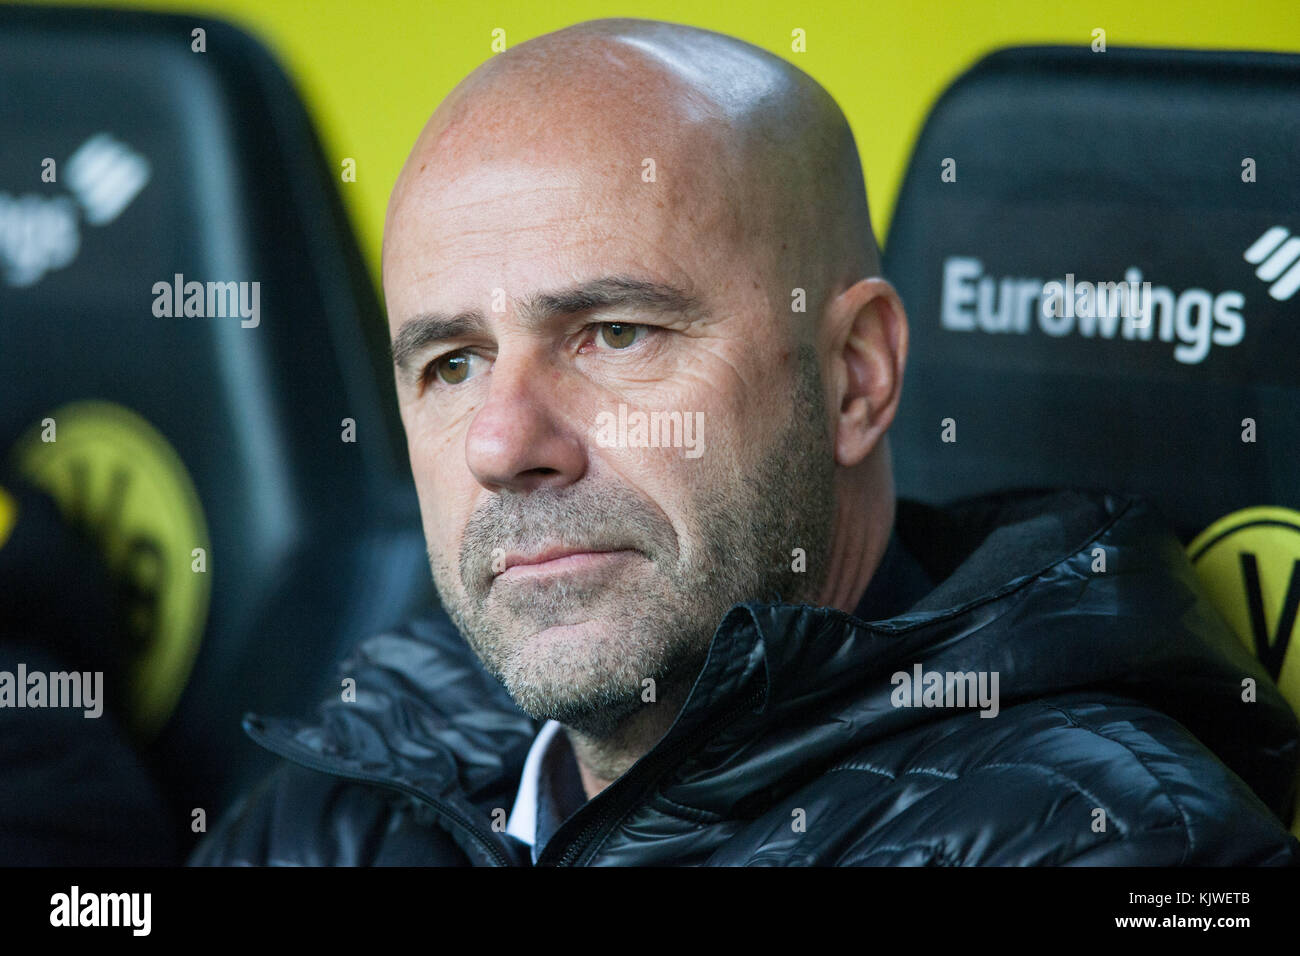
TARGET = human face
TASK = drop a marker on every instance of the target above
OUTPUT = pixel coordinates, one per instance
(533, 306)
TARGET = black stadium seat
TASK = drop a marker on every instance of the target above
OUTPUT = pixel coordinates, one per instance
(234, 448)
(1176, 168)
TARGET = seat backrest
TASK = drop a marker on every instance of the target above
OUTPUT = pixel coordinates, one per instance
(1099, 254)
(194, 363)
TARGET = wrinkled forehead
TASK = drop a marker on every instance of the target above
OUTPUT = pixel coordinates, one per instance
(569, 193)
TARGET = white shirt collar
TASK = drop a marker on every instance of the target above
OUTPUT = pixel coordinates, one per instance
(523, 817)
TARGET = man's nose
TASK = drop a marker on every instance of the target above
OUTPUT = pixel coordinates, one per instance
(519, 438)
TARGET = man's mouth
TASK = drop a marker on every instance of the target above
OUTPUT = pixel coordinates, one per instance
(561, 561)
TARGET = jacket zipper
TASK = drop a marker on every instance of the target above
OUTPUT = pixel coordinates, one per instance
(601, 826)
(325, 766)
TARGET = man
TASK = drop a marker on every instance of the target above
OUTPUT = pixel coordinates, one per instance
(646, 367)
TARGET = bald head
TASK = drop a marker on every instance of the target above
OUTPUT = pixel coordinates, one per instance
(751, 147)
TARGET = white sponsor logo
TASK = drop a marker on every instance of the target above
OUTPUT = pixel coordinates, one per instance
(39, 233)
(36, 235)
(105, 176)
(1134, 310)
(1278, 261)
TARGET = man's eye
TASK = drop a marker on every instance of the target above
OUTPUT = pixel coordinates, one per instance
(454, 367)
(619, 335)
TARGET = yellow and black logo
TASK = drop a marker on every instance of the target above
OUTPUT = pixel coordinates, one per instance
(116, 477)
(1249, 563)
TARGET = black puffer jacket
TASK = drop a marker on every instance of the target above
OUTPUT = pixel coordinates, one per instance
(1120, 703)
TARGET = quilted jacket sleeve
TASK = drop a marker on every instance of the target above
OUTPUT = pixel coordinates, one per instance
(1076, 780)
(298, 817)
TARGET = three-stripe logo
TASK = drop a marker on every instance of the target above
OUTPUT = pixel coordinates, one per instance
(105, 175)
(1278, 259)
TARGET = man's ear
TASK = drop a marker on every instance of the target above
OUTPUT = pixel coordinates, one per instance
(868, 339)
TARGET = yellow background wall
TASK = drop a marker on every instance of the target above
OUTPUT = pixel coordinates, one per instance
(371, 72)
